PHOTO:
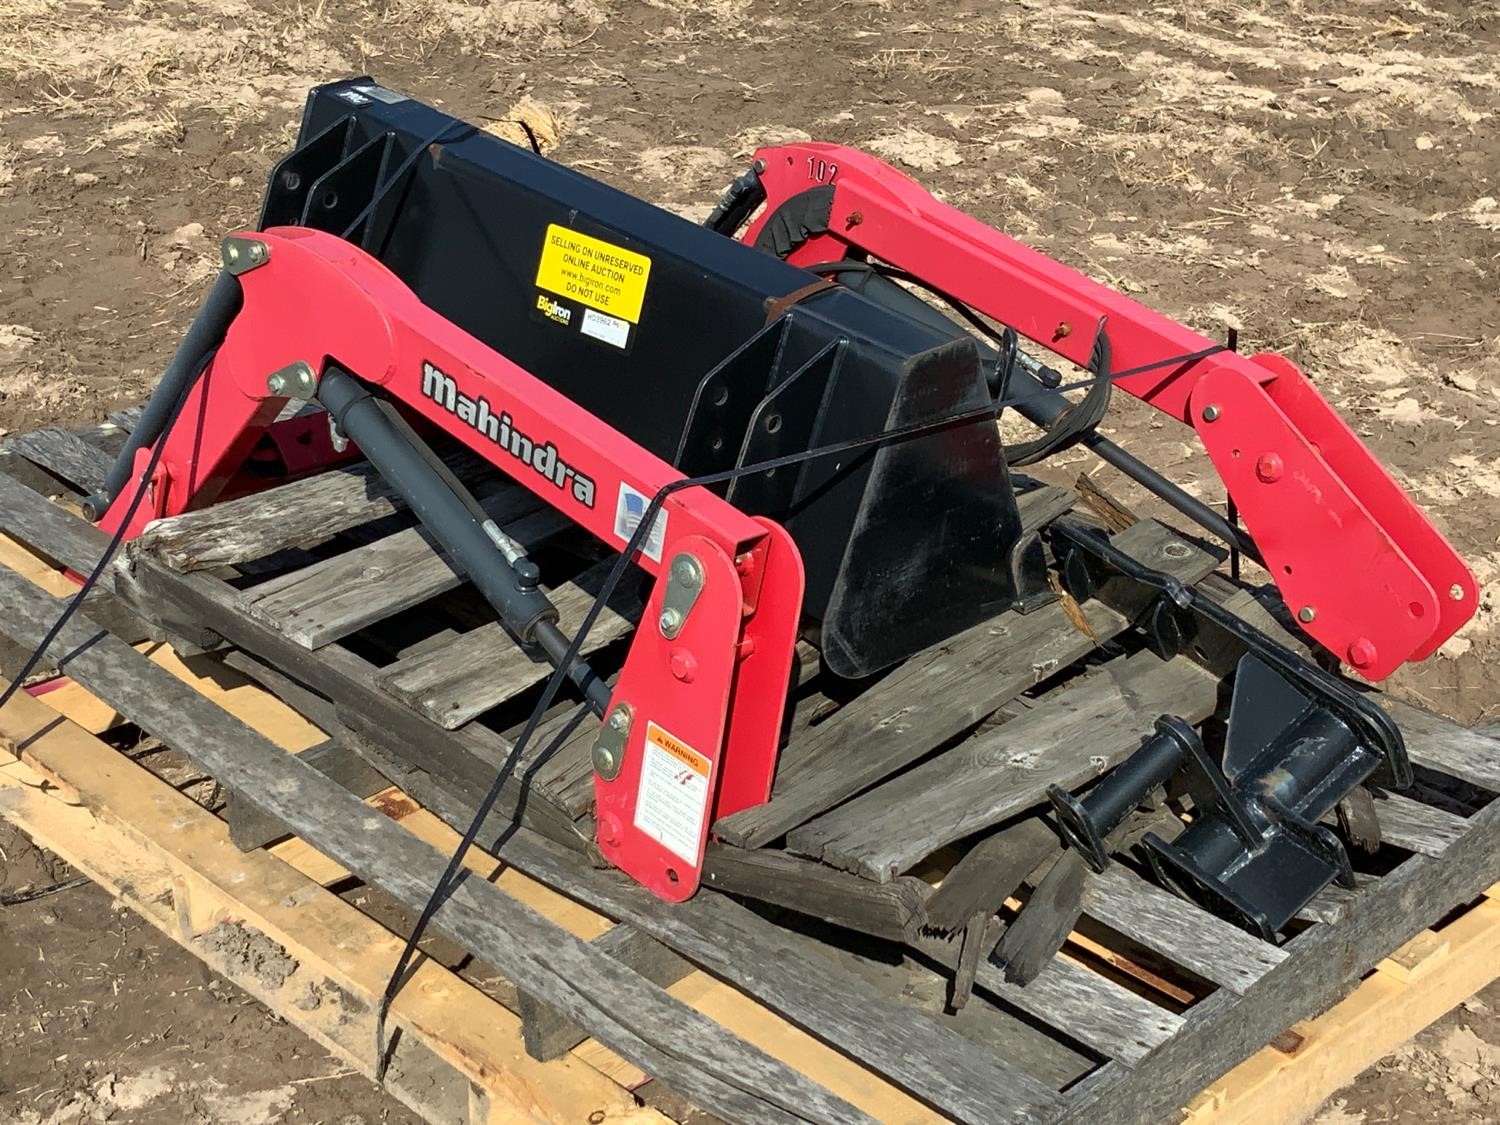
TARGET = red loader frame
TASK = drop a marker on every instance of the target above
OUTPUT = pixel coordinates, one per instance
(1358, 562)
(698, 712)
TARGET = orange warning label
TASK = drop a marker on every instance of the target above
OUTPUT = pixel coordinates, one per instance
(679, 750)
(672, 802)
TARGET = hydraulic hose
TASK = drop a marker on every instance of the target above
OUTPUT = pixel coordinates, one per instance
(205, 334)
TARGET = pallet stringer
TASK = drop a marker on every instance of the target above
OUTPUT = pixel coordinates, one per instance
(171, 862)
(159, 837)
(1416, 985)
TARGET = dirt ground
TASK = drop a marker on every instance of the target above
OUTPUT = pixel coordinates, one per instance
(1320, 176)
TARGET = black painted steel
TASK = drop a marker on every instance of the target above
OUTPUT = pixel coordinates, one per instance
(1299, 740)
(1086, 822)
(395, 452)
(903, 546)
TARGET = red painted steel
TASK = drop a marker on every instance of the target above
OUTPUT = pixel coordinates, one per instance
(320, 299)
(653, 818)
(1342, 537)
(1374, 581)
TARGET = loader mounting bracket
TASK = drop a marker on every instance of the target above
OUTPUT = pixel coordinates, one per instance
(1298, 741)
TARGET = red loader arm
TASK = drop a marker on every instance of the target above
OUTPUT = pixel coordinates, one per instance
(1358, 562)
(695, 716)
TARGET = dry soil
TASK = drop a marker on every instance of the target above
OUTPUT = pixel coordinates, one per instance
(1319, 176)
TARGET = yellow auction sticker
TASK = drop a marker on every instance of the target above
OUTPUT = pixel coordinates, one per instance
(593, 272)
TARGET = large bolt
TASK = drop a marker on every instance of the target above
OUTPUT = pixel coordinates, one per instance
(1362, 652)
(1269, 468)
(609, 829)
(606, 761)
(687, 571)
(683, 664)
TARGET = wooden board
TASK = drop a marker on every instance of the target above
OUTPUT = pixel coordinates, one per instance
(1086, 1088)
(296, 514)
(66, 455)
(171, 862)
(1071, 738)
(1431, 974)
(483, 668)
(941, 693)
(570, 978)
(1149, 996)
(335, 597)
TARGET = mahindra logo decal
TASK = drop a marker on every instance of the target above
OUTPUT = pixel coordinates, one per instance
(541, 457)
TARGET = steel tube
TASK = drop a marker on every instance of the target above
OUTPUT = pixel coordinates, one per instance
(521, 606)
(1041, 405)
(205, 333)
(1087, 823)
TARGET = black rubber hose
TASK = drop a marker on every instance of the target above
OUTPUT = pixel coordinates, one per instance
(206, 333)
(1033, 399)
(1042, 405)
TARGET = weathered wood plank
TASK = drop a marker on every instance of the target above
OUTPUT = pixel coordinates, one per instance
(250, 827)
(1193, 938)
(1442, 744)
(793, 976)
(65, 455)
(989, 873)
(1417, 827)
(484, 668)
(1070, 738)
(797, 977)
(891, 910)
(1093, 1010)
(1029, 943)
(939, 694)
(1097, 1011)
(291, 515)
(52, 531)
(548, 1034)
(58, 536)
(1042, 504)
(24, 472)
(972, 948)
(127, 418)
(634, 1018)
(1358, 930)
(338, 596)
(471, 757)
(1322, 964)
(1334, 903)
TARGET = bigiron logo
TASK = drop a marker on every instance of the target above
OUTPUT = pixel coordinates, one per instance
(553, 310)
(542, 457)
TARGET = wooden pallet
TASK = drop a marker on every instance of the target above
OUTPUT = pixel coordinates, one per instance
(462, 1055)
(1149, 1003)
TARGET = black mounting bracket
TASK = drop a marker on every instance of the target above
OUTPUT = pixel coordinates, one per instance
(1298, 740)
